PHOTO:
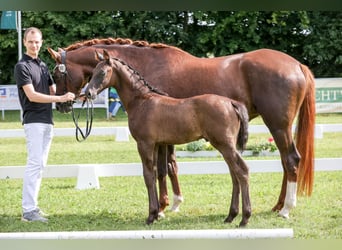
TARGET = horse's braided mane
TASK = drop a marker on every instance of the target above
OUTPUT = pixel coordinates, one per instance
(109, 41)
(141, 78)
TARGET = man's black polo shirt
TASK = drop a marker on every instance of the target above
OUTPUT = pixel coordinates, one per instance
(35, 72)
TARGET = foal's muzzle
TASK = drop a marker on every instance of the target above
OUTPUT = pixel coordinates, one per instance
(91, 94)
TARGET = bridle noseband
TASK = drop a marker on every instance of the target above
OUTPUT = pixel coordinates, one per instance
(89, 108)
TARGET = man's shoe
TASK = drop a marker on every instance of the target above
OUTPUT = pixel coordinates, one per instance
(33, 216)
(41, 213)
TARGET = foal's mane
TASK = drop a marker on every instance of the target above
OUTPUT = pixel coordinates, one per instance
(118, 41)
(140, 77)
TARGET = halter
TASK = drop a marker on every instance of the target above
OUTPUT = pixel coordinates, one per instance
(89, 108)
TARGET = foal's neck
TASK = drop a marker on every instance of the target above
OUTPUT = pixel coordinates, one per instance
(135, 78)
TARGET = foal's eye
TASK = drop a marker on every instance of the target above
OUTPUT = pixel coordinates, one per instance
(103, 73)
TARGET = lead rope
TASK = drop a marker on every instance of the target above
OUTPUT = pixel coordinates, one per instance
(89, 120)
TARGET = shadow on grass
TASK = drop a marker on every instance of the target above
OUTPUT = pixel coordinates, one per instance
(104, 221)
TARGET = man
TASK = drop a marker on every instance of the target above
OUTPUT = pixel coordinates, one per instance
(114, 103)
(36, 91)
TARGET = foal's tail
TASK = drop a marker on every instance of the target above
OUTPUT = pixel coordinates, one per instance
(242, 113)
(305, 136)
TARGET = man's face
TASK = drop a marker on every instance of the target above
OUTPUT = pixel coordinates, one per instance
(33, 42)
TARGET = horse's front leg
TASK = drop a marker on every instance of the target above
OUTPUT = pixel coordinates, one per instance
(173, 175)
(148, 159)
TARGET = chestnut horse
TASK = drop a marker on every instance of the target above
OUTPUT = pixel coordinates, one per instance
(220, 120)
(270, 83)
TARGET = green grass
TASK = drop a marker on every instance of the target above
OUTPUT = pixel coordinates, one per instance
(104, 149)
(121, 202)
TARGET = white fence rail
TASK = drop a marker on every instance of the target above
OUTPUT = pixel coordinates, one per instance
(122, 133)
(88, 174)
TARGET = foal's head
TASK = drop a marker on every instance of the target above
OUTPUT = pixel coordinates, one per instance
(111, 71)
(103, 75)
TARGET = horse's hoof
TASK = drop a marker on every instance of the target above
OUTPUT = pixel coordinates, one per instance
(278, 207)
(284, 214)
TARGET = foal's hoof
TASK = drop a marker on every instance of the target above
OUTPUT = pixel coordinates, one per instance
(151, 219)
(243, 224)
(228, 220)
(161, 214)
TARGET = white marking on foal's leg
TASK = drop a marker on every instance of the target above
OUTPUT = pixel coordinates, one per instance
(177, 200)
(161, 215)
(290, 199)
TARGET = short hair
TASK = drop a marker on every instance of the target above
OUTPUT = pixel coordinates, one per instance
(32, 30)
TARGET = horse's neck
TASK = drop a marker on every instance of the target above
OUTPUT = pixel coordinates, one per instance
(132, 87)
(140, 57)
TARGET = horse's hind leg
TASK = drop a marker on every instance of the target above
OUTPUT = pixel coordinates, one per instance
(173, 175)
(290, 159)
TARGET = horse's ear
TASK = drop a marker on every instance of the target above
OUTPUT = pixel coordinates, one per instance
(55, 55)
(98, 56)
(106, 54)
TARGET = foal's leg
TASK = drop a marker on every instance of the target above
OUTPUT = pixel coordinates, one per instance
(235, 200)
(240, 175)
(162, 172)
(173, 175)
(148, 155)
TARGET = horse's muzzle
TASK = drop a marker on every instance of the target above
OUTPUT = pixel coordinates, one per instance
(64, 107)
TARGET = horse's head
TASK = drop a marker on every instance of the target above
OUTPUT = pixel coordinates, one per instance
(102, 75)
(68, 76)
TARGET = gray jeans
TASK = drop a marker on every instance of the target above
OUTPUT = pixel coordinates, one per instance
(38, 143)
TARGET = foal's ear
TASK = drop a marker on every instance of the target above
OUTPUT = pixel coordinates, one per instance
(98, 56)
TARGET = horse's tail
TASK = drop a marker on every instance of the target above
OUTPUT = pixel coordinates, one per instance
(305, 136)
(242, 113)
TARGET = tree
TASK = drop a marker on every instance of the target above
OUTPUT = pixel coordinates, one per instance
(313, 38)
(322, 48)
